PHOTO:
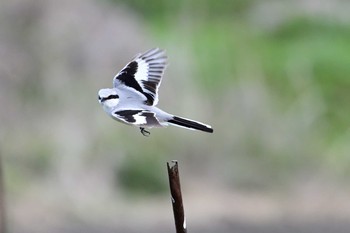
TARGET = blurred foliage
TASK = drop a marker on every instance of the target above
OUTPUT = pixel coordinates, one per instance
(141, 175)
(163, 9)
(320, 50)
(35, 164)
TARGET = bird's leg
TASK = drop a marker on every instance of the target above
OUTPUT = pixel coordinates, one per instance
(144, 132)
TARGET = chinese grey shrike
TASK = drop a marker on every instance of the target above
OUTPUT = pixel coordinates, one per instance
(134, 95)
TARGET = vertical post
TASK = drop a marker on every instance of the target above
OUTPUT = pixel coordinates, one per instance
(176, 197)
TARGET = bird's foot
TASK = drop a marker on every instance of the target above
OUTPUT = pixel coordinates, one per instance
(145, 132)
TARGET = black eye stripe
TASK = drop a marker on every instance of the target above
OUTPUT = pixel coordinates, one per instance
(113, 97)
(110, 97)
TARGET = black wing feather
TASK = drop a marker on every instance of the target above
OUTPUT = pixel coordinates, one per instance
(144, 74)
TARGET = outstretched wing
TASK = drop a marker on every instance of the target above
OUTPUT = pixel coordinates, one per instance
(137, 117)
(143, 74)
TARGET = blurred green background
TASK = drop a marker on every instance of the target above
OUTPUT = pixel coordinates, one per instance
(271, 77)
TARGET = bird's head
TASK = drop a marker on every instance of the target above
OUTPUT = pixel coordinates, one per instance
(108, 98)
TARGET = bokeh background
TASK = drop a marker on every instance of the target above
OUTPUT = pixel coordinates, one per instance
(272, 78)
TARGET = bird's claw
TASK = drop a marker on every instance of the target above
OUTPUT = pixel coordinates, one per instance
(145, 132)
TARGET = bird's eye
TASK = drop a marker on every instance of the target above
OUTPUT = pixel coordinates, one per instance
(99, 98)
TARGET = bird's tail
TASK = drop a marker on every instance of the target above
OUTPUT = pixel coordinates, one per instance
(190, 124)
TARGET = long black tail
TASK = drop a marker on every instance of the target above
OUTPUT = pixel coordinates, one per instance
(190, 124)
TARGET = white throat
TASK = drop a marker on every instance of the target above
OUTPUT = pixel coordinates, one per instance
(110, 104)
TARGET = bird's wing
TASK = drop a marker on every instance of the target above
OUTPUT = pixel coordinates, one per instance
(137, 117)
(143, 74)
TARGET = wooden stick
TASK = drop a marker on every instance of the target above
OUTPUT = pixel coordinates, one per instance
(176, 197)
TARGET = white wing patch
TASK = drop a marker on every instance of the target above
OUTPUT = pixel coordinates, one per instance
(137, 117)
(140, 119)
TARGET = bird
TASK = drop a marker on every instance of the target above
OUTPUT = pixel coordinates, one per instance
(134, 95)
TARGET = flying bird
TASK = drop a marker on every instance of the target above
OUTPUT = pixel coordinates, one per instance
(134, 95)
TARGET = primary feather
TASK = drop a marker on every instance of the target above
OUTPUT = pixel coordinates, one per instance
(143, 74)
